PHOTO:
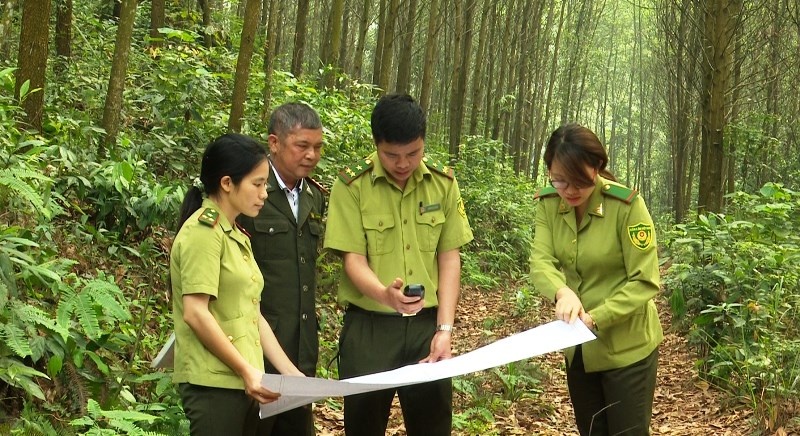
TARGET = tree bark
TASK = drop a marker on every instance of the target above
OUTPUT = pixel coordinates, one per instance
(363, 26)
(7, 8)
(463, 41)
(478, 73)
(157, 20)
(270, 52)
(116, 81)
(430, 52)
(252, 15)
(330, 58)
(63, 34)
(406, 49)
(32, 60)
(300, 29)
(387, 52)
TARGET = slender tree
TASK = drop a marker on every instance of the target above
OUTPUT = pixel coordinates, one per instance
(119, 67)
(157, 20)
(406, 47)
(430, 54)
(301, 23)
(463, 42)
(363, 26)
(7, 8)
(270, 52)
(387, 51)
(330, 55)
(252, 16)
(63, 32)
(32, 60)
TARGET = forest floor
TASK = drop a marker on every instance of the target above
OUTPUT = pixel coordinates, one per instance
(684, 404)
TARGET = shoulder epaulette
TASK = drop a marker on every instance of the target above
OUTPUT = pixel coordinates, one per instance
(439, 167)
(354, 171)
(317, 185)
(622, 193)
(209, 217)
(547, 191)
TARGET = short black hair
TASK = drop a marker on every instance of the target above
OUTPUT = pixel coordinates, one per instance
(397, 119)
(290, 116)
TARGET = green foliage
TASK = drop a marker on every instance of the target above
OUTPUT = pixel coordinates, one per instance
(500, 208)
(112, 422)
(733, 286)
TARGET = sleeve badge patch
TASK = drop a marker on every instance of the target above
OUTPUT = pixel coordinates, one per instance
(641, 235)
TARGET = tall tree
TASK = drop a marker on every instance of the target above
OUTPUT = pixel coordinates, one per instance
(252, 14)
(331, 51)
(488, 14)
(430, 53)
(720, 21)
(301, 23)
(363, 26)
(63, 32)
(463, 43)
(32, 60)
(157, 19)
(387, 51)
(406, 48)
(206, 8)
(116, 81)
(270, 52)
(7, 8)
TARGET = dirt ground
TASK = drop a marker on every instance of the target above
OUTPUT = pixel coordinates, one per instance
(684, 404)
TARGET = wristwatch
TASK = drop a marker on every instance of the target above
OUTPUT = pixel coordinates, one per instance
(444, 328)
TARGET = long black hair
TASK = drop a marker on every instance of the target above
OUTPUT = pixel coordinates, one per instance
(232, 155)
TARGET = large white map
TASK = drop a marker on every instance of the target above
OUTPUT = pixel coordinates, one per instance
(553, 336)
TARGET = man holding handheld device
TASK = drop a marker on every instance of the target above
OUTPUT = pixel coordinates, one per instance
(397, 217)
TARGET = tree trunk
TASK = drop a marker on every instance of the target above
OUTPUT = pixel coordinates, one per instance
(63, 34)
(157, 20)
(406, 49)
(387, 51)
(363, 26)
(7, 8)
(430, 51)
(458, 94)
(330, 58)
(478, 73)
(719, 18)
(32, 60)
(270, 52)
(252, 15)
(517, 149)
(300, 30)
(377, 60)
(347, 40)
(116, 82)
(208, 34)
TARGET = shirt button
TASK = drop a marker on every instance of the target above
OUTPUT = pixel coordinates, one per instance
(408, 246)
(380, 223)
(271, 230)
(258, 343)
(230, 338)
(305, 288)
(302, 259)
(405, 221)
(255, 321)
(305, 317)
(246, 258)
(300, 234)
(410, 272)
(574, 241)
(433, 220)
(254, 278)
(255, 301)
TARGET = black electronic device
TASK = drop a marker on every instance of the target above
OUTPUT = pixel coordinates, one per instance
(414, 291)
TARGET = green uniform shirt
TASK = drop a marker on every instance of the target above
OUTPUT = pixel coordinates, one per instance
(209, 256)
(611, 263)
(399, 231)
(286, 252)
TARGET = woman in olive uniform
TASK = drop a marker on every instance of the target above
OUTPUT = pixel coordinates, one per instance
(594, 254)
(216, 288)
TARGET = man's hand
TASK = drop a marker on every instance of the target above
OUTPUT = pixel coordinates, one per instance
(440, 347)
(399, 302)
(568, 305)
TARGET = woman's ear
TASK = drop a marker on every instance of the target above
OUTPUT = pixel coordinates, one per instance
(226, 183)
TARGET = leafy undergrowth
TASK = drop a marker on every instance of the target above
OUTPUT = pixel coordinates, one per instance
(531, 398)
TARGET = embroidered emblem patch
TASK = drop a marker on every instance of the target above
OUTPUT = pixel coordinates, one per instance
(641, 235)
(461, 209)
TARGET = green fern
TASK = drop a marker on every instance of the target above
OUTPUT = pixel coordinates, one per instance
(87, 317)
(14, 179)
(31, 315)
(108, 295)
(98, 296)
(16, 340)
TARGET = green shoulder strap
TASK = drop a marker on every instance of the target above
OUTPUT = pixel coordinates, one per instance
(439, 167)
(547, 191)
(354, 171)
(620, 192)
(209, 217)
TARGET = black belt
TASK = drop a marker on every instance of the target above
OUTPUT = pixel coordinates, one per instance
(357, 309)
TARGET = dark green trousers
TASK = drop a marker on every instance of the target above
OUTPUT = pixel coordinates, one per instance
(372, 342)
(218, 411)
(613, 402)
(295, 422)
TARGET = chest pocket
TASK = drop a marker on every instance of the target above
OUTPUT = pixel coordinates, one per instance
(429, 229)
(379, 229)
(270, 234)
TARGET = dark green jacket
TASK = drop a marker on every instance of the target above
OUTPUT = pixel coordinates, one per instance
(286, 253)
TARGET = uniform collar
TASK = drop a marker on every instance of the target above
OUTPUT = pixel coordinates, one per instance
(224, 224)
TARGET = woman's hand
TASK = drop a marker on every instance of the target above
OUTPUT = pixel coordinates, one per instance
(253, 387)
(568, 305)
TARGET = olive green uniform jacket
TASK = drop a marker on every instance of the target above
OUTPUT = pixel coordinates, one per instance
(610, 261)
(399, 231)
(286, 251)
(211, 256)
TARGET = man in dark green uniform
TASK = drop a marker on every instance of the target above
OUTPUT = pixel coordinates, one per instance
(285, 237)
(397, 219)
